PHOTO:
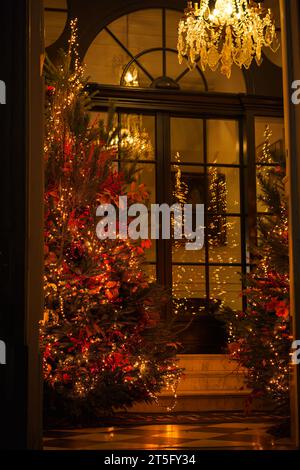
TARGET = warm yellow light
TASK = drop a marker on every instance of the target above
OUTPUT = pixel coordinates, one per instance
(233, 32)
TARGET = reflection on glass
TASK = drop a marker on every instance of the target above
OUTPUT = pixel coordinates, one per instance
(188, 281)
(150, 253)
(130, 77)
(138, 136)
(193, 179)
(226, 286)
(187, 139)
(150, 270)
(100, 116)
(261, 205)
(107, 71)
(174, 69)
(223, 141)
(187, 188)
(224, 189)
(181, 255)
(226, 247)
(192, 81)
(152, 62)
(188, 289)
(143, 179)
(217, 82)
(275, 137)
(144, 30)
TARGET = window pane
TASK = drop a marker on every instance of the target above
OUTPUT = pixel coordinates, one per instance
(188, 282)
(192, 81)
(225, 285)
(145, 30)
(224, 238)
(152, 62)
(181, 255)
(172, 22)
(276, 137)
(224, 189)
(140, 30)
(150, 252)
(138, 132)
(150, 269)
(223, 141)
(174, 69)
(187, 139)
(142, 174)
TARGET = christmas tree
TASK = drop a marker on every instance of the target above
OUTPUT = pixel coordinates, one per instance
(104, 342)
(259, 337)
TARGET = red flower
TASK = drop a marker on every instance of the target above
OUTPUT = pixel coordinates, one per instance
(146, 244)
(282, 310)
(280, 307)
(66, 378)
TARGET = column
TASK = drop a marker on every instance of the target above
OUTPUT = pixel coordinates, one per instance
(290, 23)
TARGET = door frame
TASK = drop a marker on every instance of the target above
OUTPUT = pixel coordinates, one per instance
(22, 431)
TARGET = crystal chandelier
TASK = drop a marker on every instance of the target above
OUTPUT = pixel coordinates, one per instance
(233, 32)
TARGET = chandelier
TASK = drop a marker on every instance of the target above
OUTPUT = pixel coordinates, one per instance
(233, 32)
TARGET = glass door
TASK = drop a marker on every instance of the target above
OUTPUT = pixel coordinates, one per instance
(199, 160)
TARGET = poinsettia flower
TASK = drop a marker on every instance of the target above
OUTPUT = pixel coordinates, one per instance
(280, 307)
(282, 310)
(146, 244)
(66, 378)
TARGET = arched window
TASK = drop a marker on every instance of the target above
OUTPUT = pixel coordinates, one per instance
(140, 50)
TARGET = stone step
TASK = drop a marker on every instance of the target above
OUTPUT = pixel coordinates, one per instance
(209, 372)
(211, 382)
(215, 400)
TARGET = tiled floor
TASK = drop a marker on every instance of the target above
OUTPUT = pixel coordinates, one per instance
(227, 431)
